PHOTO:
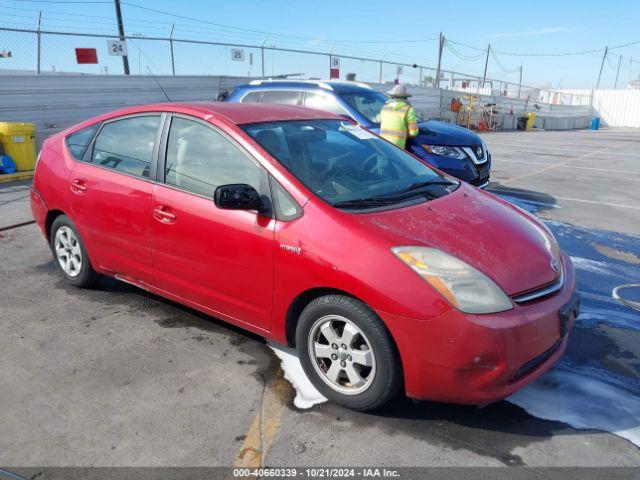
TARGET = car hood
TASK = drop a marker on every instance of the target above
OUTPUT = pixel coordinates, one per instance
(495, 237)
(441, 133)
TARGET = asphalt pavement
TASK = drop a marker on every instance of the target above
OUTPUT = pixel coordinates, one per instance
(114, 376)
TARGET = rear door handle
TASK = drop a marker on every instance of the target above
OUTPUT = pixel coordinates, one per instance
(78, 186)
(163, 214)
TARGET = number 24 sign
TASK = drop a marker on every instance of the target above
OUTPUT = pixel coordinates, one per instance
(117, 48)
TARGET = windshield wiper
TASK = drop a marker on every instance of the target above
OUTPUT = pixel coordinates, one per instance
(426, 183)
(366, 202)
(418, 186)
(394, 197)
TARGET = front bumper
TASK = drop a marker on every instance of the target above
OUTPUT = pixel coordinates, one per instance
(477, 359)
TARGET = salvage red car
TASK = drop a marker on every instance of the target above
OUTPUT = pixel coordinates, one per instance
(309, 230)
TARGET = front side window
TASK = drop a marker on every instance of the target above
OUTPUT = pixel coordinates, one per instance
(199, 159)
(368, 104)
(283, 97)
(341, 162)
(127, 145)
(78, 142)
(323, 102)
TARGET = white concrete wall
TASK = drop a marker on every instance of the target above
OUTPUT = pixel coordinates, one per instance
(616, 108)
(54, 102)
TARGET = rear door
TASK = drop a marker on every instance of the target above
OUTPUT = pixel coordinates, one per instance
(219, 259)
(110, 195)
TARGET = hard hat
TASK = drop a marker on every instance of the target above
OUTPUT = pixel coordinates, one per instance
(398, 91)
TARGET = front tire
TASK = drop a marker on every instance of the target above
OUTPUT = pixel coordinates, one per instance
(347, 353)
(69, 253)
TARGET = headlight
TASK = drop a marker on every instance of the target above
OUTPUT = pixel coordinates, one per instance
(451, 152)
(464, 287)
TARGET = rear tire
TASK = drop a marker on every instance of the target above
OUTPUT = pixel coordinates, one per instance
(347, 353)
(69, 253)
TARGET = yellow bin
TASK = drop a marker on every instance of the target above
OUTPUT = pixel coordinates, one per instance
(19, 142)
(531, 117)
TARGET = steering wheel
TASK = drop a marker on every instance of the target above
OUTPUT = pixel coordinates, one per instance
(370, 162)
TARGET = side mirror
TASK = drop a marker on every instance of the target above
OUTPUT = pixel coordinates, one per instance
(237, 196)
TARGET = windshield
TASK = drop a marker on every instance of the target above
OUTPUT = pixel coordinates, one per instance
(368, 104)
(346, 165)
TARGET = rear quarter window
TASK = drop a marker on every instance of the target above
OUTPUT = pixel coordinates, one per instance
(252, 97)
(282, 97)
(78, 142)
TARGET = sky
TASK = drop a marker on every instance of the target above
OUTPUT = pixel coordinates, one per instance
(519, 32)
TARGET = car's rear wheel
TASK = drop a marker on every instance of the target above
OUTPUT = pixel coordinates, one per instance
(70, 254)
(347, 352)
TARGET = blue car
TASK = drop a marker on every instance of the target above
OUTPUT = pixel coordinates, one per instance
(454, 150)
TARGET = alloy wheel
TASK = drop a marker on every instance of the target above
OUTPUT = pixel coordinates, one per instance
(342, 354)
(68, 251)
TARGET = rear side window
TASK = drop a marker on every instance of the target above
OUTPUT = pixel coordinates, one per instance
(78, 142)
(323, 102)
(127, 145)
(252, 97)
(283, 97)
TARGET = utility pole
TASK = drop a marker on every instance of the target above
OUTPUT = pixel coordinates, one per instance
(173, 65)
(604, 57)
(486, 63)
(615, 85)
(262, 54)
(520, 82)
(440, 47)
(125, 59)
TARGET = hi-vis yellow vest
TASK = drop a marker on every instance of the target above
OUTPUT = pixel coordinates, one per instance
(397, 122)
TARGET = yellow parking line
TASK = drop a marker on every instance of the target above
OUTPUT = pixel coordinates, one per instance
(608, 170)
(265, 425)
(551, 167)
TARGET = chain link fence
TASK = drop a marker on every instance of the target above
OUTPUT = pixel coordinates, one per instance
(50, 52)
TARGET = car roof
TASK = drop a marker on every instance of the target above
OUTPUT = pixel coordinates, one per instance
(236, 113)
(326, 85)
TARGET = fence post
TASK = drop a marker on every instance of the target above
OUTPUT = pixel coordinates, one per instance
(173, 65)
(380, 75)
(38, 35)
(520, 82)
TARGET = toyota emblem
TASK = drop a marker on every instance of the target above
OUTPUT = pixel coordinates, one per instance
(555, 264)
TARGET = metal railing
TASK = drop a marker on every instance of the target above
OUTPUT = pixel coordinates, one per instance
(46, 52)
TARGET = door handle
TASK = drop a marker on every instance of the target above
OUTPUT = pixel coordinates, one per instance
(163, 214)
(78, 186)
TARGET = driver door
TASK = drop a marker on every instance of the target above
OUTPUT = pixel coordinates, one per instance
(218, 259)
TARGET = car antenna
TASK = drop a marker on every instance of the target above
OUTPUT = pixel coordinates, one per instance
(159, 86)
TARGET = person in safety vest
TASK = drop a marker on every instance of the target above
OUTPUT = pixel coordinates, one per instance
(398, 118)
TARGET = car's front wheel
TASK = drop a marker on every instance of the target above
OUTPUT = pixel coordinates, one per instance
(347, 352)
(70, 254)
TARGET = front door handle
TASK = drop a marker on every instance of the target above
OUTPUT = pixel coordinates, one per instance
(78, 186)
(164, 214)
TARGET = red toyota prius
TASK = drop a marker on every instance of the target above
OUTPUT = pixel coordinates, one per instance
(309, 230)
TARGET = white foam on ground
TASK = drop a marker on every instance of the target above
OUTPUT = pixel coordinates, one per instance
(306, 394)
(582, 402)
(577, 400)
(591, 265)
